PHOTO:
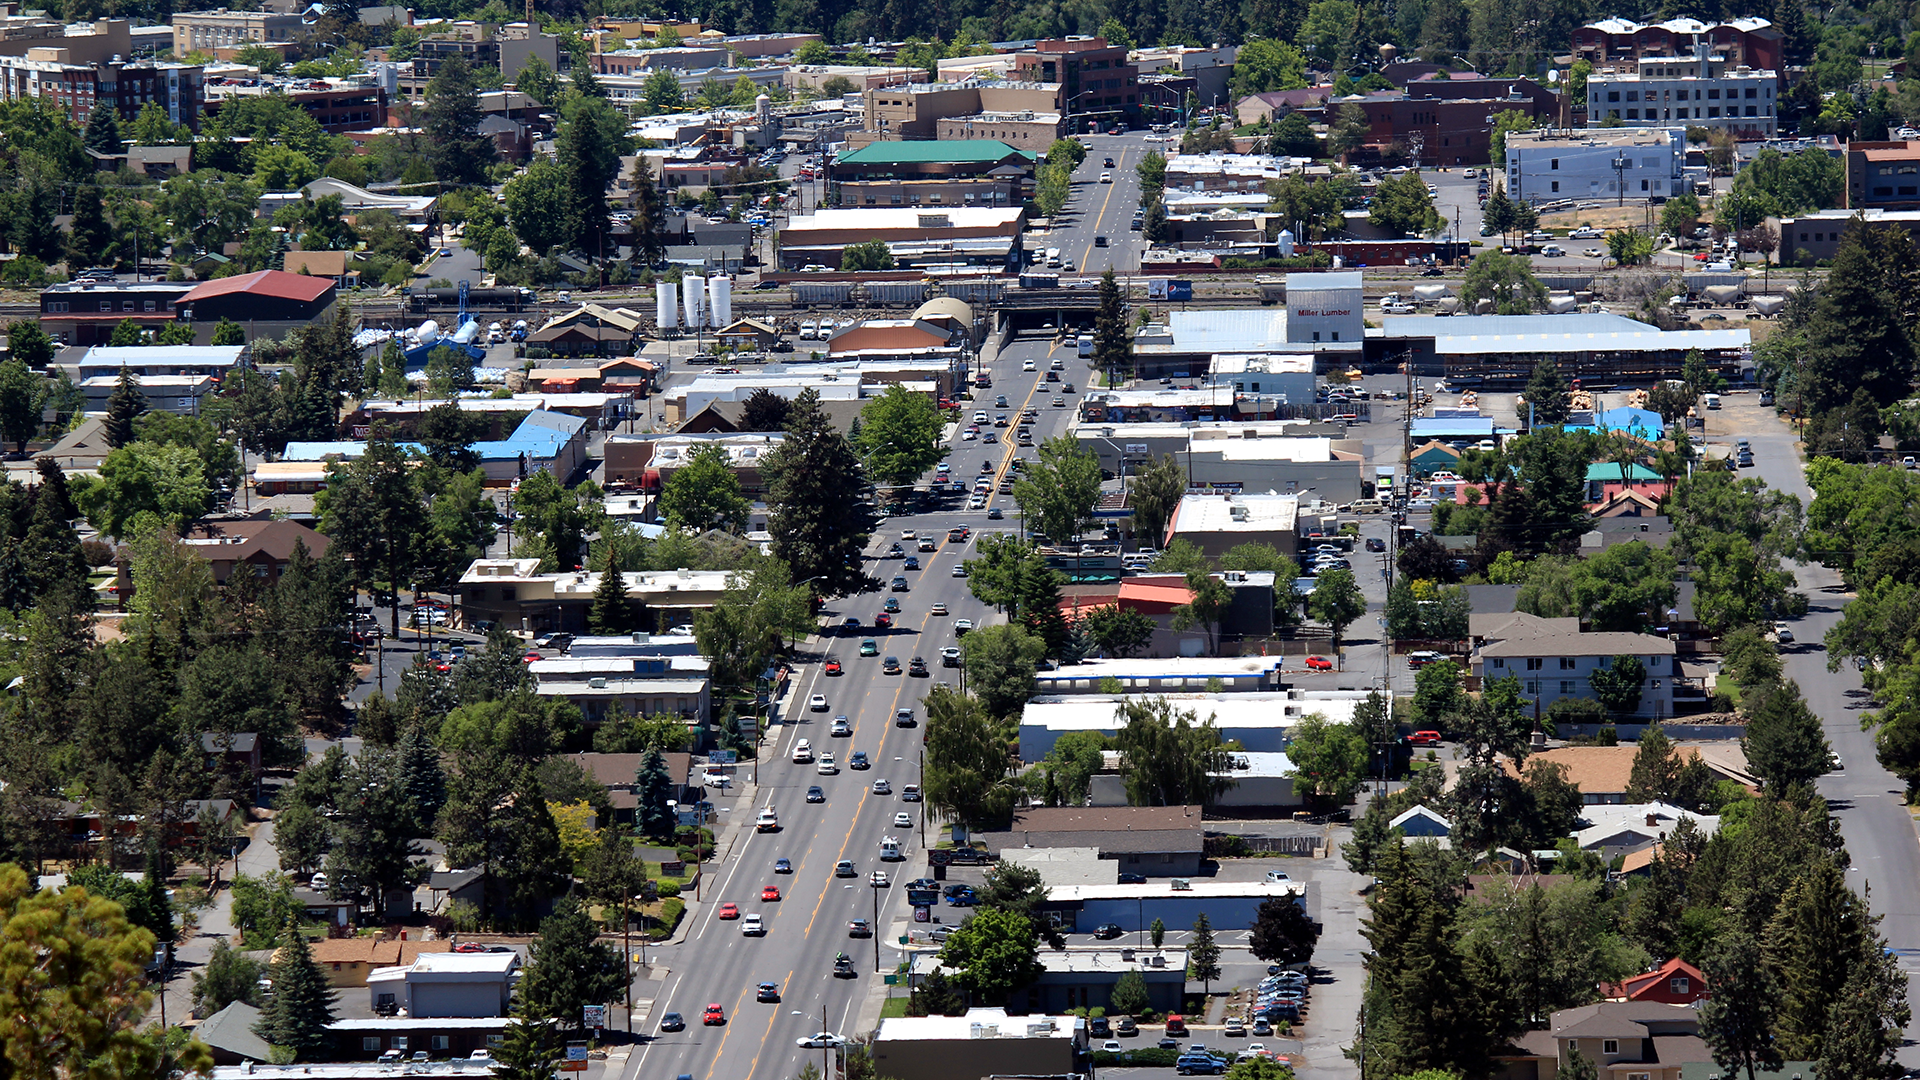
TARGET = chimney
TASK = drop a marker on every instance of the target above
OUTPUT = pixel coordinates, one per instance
(1652, 819)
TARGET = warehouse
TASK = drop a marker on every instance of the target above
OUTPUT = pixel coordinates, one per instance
(1601, 350)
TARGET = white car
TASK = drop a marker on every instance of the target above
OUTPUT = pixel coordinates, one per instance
(1106, 178)
(1112, 1046)
(820, 1040)
(817, 703)
(881, 787)
(751, 926)
(903, 820)
(827, 766)
(961, 626)
(1594, 253)
(1276, 876)
(1783, 633)
(878, 879)
(841, 727)
(1028, 365)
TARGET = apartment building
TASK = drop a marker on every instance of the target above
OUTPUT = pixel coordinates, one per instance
(1702, 90)
(205, 31)
(1616, 163)
(1754, 42)
(507, 47)
(78, 87)
(1883, 176)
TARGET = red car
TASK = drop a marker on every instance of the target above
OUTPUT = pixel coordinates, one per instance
(1425, 738)
(771, 892)
(714, 1015)
(470, 947)
(729, 911)
(832, 667)
(532, 656)
(1319, 663)
(883, 620)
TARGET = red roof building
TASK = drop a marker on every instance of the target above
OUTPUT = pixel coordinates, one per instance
(1675, 982)
(265, 295)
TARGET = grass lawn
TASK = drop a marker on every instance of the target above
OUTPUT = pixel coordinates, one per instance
(894, 1007)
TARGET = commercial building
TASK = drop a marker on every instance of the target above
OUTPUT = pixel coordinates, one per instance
(649, 461)
(269, 302)
(960, 235)
(1101, 86)
(85, 312)
(1442, 121)
(1754, 42)
(75, 87)
(1219, 523)
(205, 31)
(451, 1040)
(916, 111)
(167, 393)
(346, 962)
(506, 47)
(864, 77)
(446, 984)
(1698, 90)
(607, 686)
(337, 105)
(960, 172)
(514, 594)
(1881, 176)
(1615, 163)
(1809, 237)
(1175, 902)
(647, 61)
(1082, 978)
(1029, 131)
(1602, 350)
(1222, 674)
(414, 209)
(1156, 841)
(1258, 721)
(984, 1042)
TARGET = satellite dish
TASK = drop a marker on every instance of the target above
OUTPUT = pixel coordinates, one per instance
(1553, 76)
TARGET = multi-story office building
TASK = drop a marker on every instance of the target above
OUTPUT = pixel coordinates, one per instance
(1882, 176)
(1703, 90)
(1753, 42)
(1616, 163)
(205, 31)
(77, 88)
(1098, 83)
(939, 110)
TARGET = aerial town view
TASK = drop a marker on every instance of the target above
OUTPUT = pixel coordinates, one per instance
(839, 540)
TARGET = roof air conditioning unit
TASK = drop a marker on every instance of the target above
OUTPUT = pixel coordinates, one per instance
(598, 682)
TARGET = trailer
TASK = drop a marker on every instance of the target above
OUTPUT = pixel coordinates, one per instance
(1768, 306)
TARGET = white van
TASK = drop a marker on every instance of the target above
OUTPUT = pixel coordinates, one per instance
(1086, 344)
(808, 330)
(1053, 258)
(1712, 400)
(802, 752)
(890, 849)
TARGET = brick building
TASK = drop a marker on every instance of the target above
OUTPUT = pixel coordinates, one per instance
(1099, 83)
(77, 87)
(205, 31)
(1754, 42)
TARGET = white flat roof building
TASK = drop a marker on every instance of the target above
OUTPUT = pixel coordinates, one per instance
(1612, 163)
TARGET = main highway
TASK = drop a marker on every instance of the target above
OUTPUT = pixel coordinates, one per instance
(1097, 209)
(712, 961)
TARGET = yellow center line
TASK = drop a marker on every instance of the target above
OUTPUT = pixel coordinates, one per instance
(726, 1029)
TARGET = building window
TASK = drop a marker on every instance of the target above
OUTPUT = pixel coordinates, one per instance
(1553, 163)
(399, 1042)
(1535, 663)
(1609, 1046)
(1679, 95)
(1533, 687)
(1682, 985)
(1556, 185)
(1566, 663)
(1566, 687)
(440, 1042)
(370, 1043)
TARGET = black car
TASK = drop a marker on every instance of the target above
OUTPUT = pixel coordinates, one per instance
(1107, 931)
(1126, 1027)
(917, 666)
(1099, 1028)
(673, 1021)
(1131, 879)
(767, 992)
(1374, 543)
(849, 625)
(956, 889)
(814, 794)
(1168, 1042)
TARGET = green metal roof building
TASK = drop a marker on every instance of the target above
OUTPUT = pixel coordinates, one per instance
(928, 159)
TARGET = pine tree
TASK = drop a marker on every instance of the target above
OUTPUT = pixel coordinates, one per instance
(1864, 1026)
(229, 976)
(421, 779)
(125, 405)
(1737, 1021)
(1112, 348)
(821, 514)
(531, 1049)
(1784, 743)
(649, 216)
(612, 611)
(459, 153)
(569, 968)
(297, 1015)
(103, 130)
(1547, 403)
(652, 785)
(1819, 936)
(1656, 767)
(1203, 954)
(92, 237)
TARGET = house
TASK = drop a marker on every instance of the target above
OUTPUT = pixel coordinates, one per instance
(590, 330)
(1626, 503)
(346, 962)
(984, 1042)
(1627, 1040)
(619, 774)
(337, 265)
(258, 548)
(1433, 457)
(1553, 666)
(1158, 841)
(447, 984)
(1079, 979)
(553, 441)
(1419, 821)
(238, 750)
(1601, 772)
(1675, 982)
(268, 303)
(1605, 479)
(1616, 829)
(750, 334)
(229, 1034)
(1500, 625)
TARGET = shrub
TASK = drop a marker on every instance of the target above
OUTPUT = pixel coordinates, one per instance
(669, 889)
(671, 912)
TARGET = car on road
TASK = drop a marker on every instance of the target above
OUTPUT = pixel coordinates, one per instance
(783, 865)
(827, 766)
(937, 609)
(820, 1040)
(903, 820)
(1424, 738)
(843, 868)
(1422, 658)
(910, 793)
(770, 892)
(1783, 633)
(1594, 253)
(960, 569)
(961, 626)
(817, 703)
(815, 794)
(859, 928)
(848, 626)
(1319, 663)
(841, 728)
(1376, 544)
(877, 879)
(950, 657)
(883, 621)
(899, 584)
(767, 991)
(993, 514)
(903, 716)
(714, 1015)
(913, 561)
(891, 605)
(890, 666)
(729, 911)
(859, 760)
(673, 1021)
(751, 926)
(917, 667)
(869, 647)
(1107, 931)
(881, 787)
(1108, 163)
(831, 667)
(1028, 365)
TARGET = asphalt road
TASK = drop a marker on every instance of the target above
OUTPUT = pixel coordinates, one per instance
(806, 928)
(1097, 209)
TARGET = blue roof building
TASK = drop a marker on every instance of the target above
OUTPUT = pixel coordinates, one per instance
(546, 440)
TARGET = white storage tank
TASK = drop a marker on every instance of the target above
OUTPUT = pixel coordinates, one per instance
(666, 305)
(429, 332)
(1429, 293)
(720, 298)
(467, 332)
(1286, 243)
(1560, 304)
(695, 296)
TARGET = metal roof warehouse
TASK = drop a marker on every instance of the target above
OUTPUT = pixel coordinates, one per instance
(1603, 349)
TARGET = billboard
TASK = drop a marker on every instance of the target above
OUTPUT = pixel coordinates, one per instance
(1169, 289)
